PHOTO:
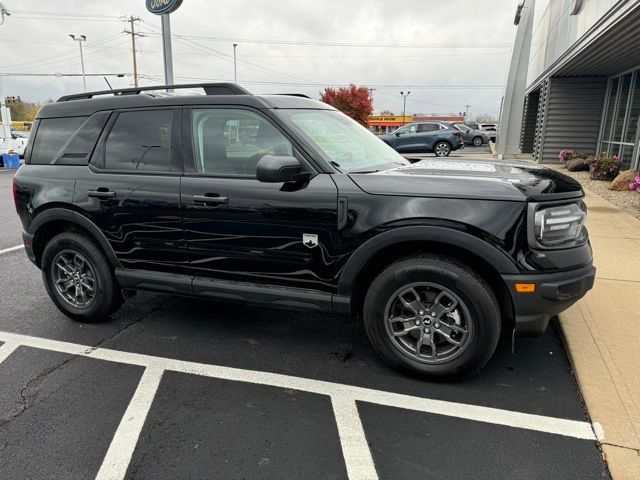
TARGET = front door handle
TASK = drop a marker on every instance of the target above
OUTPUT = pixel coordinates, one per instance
(101, 193)
(210, 199)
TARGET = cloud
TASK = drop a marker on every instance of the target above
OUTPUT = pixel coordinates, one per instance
(35, 41)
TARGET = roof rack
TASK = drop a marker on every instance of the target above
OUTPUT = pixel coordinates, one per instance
(209, 89)
(301, 95)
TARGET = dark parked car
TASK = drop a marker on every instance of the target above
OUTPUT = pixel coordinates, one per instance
(425, 137)
(284, 201)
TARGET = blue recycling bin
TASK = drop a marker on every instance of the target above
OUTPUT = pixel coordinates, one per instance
(11, 160)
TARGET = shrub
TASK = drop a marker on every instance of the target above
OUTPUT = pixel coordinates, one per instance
(604, 167)
(566, 155)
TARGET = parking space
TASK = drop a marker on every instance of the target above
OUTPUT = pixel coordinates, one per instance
(181, 388)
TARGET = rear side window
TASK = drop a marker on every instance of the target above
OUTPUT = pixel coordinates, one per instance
(427, 127)
(52, 134)
(140, 141)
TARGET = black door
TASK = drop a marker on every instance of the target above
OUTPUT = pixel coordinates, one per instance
(240, 229)
(131, 190)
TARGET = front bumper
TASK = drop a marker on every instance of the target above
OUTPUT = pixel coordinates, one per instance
(554, 293)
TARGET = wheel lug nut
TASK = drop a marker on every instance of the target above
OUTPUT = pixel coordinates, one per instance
(417, 322)
(426, 330)
(437, 325)
(421, 312)
(433, 314)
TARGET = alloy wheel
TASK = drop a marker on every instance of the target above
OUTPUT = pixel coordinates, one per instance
(74, 278)
(428, 323)
(442, 149)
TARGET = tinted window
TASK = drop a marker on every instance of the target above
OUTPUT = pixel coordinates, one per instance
(77, 149)
(232, 141)
(140, 141)
(427, 127)
(52, 134)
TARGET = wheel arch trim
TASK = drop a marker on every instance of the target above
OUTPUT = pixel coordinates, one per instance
(48, 216)
(359, 258)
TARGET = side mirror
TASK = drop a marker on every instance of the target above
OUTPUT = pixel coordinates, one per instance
(398, 134)
(278, 169)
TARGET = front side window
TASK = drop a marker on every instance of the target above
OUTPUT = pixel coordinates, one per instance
(140, 141)
(343, 141)
(232, 141)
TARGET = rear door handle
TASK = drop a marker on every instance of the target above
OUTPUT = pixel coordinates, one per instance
(101, 193)
(210, 199)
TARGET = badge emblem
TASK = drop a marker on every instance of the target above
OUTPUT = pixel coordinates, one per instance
(310, 239)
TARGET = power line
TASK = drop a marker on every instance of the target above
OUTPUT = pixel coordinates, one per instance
(345, 44)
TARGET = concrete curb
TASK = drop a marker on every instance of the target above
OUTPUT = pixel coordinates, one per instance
(606, 365)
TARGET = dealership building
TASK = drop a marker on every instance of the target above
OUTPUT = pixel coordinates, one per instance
(574, 80)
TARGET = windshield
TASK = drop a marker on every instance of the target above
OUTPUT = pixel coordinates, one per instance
(346, 143)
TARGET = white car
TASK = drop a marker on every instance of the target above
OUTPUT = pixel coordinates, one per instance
(16, 144)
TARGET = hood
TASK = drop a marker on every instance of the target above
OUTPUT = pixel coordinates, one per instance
(471, 178)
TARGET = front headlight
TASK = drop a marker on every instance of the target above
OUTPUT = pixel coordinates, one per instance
(558, 225)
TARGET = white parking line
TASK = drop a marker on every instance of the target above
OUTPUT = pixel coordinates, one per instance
(11, 249)
(343, 398)
(355, 449)
(115, 463)
(7, 349)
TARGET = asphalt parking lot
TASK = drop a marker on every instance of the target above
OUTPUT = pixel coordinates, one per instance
(181, 388)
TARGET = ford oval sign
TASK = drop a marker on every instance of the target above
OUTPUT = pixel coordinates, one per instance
(160, 7)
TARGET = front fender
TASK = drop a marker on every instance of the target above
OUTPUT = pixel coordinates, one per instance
(358, 259)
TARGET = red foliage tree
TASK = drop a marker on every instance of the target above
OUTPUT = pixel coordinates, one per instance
(353, 101)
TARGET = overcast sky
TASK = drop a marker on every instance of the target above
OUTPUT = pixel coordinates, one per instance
(447, 53)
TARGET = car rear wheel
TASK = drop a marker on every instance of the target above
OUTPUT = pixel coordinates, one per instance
(442, 149)
(477, 141)
(78, 278)
(433, 316)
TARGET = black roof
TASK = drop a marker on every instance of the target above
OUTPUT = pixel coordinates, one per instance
(216, 94)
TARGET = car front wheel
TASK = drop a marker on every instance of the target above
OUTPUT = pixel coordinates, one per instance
(442, 149)
(477, 141)
(434, 316)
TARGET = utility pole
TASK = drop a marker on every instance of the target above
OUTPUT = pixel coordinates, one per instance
(466, 111)
(404, 105)
(134, 34)
(235, 70)
(80, 39)
(5, 114)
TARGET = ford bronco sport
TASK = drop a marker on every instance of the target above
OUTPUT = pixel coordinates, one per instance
(281, 200)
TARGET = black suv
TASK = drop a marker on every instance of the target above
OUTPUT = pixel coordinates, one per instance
(284, 201)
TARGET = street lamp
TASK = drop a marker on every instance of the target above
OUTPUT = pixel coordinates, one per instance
(404, 104)
(80, 39)
(235, 71)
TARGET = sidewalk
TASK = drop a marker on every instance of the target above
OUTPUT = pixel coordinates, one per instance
(602, 336)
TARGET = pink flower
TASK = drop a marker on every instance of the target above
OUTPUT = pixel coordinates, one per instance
(632, 186)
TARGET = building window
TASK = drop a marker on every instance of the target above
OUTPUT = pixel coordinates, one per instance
(619, 134)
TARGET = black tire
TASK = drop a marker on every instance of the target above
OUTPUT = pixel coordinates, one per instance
(442, 149)
(477, 302)
(107, 296)
(476, 141)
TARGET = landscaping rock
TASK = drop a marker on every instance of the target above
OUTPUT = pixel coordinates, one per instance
(577, 165)
(622, 181)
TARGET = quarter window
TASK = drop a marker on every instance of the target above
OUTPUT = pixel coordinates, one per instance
(140, 141)
(51, 135)
(232, 141)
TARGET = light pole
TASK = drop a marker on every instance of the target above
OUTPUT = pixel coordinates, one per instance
(404, 105)
(80, 39)
(235, 71)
